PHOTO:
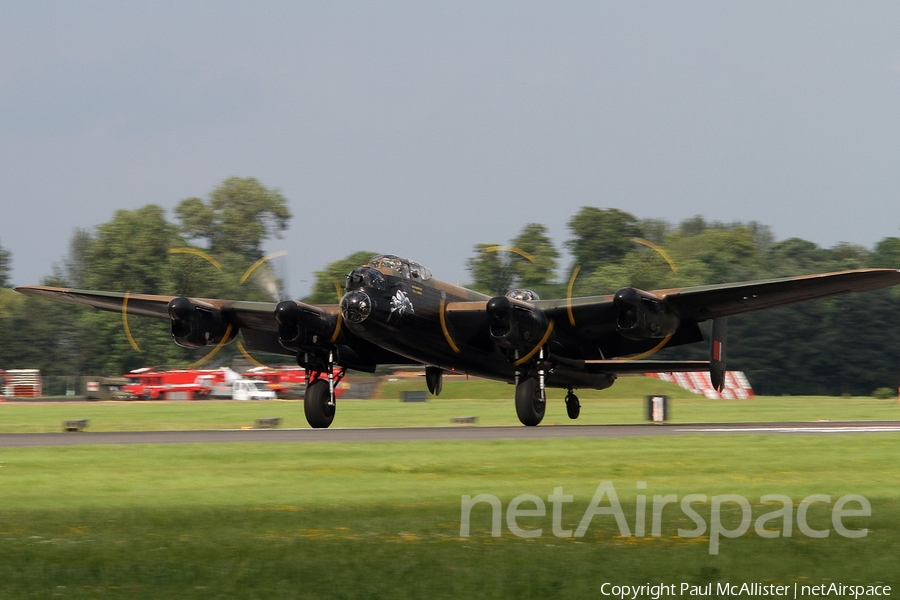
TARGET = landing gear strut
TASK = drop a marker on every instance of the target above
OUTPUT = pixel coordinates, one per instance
(319, 400)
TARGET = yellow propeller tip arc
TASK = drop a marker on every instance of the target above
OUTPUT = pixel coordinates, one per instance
(215, 350)
(539, 345)
(659, 250)
(650, 352)
(197, 252)
(444, 328)
(569, 295)
(257, 264)
(246, 355)
(130, 337)
(513, 249)
(337, 329)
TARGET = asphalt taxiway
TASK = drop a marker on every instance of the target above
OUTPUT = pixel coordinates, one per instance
(458, 433)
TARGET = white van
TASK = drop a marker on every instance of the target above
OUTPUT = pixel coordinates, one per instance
(250, 389)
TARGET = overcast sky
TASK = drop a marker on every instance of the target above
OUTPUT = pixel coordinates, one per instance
(422, 129)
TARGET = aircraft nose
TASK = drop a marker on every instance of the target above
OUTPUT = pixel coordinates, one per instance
(356, 306)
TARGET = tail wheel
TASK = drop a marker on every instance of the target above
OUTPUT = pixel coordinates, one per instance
(573, 406)
(318, 404)
(530, 402)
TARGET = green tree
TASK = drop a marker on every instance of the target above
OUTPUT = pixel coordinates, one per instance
(75, 266)
(39, 334)
(644, 269)
(601, 235)
(693, 226)
(329, 283)
(536, 271)
(493, 271)
(886, 254)
(730, 254)
(529, 262)
(130, 252)
(655, 230)
(5, 260)
(793, 256)
(239, 216)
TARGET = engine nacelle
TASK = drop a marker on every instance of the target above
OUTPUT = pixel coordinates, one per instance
(302, 328)
(197, 325)
(515, 325)
(642, 316)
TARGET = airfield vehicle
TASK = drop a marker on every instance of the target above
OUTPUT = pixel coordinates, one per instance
(251, 389)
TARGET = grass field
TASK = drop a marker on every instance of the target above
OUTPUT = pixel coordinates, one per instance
(374, 520)
(383, 519)
(491, 402)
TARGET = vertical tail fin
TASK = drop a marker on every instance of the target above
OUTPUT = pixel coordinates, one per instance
(717, 354)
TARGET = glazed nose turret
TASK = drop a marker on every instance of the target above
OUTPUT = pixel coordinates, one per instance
(356, 306)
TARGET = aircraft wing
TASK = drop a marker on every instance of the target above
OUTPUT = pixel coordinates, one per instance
(712, 301)
(255, 315)
(255, 319)
(587, 323)
(719, 300)
(138, 304)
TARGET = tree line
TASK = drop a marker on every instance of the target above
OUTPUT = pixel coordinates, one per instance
(206, 252)
(844, 345)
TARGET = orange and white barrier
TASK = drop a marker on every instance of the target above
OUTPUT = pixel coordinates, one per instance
(737, 387)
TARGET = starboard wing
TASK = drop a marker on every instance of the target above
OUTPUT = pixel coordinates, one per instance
(596, 314)
(712, 301)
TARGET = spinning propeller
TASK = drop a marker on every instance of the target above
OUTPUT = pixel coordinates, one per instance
(227, 335)
(547, 327)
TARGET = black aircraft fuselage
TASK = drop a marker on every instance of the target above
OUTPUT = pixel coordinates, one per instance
(396, 304)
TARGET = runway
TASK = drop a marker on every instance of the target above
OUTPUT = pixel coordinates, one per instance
(458, 433)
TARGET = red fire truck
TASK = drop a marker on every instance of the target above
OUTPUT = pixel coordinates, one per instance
(281, 380)
(185, 384)
(192, 384)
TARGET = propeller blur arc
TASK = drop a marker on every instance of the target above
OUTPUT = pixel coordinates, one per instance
(130, 337)
(513, 249)
(197, 252)
(215, 350)
(260, 262)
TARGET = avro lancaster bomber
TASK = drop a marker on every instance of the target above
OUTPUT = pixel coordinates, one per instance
(395, 312)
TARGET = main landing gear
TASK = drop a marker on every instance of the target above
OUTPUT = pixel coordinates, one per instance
(531, 396)
(319, 400)
(531, 401)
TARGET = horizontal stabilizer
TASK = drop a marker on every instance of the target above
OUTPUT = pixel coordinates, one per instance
(644, 366)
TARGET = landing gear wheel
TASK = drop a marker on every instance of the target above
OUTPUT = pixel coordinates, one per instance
(317, 404)
(573, 406)
(530, 403)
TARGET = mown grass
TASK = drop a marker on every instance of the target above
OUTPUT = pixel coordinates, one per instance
(382, 519)
(490, 402)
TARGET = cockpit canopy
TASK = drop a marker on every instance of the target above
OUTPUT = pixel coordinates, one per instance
(365, 277)
(524, 295)
(403, 266)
